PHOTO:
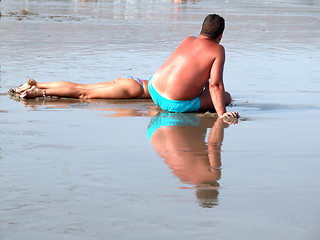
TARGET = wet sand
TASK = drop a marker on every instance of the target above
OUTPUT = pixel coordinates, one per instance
(122, 169)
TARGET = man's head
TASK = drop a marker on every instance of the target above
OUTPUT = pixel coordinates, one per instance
(213, 26)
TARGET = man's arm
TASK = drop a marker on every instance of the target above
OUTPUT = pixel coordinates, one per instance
(216, 86)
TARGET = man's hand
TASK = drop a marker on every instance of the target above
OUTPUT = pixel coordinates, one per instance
(232, 114)
(230, 117)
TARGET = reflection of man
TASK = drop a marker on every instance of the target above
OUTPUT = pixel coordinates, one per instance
(180, 140)
(182, 83)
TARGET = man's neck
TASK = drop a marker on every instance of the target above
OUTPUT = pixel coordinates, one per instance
(216, 40)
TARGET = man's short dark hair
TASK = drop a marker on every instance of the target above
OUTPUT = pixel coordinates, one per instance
(213, 26)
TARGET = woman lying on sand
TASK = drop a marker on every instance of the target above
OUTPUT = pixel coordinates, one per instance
(120, 88)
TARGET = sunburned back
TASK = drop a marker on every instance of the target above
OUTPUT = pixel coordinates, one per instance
(187, 70)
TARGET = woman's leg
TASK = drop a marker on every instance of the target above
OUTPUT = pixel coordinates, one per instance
(59, 84)
(120, 88)
(58, 91)
(31, 82)
(62, 84)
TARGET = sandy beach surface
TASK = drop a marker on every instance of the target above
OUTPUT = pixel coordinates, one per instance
(122, 169)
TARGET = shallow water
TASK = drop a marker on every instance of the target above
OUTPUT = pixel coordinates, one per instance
(109, 169)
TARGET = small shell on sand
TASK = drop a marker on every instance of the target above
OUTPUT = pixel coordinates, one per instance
(22, 12)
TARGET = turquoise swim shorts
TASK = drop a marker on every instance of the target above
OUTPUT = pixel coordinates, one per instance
(171, 120)
(192, 105)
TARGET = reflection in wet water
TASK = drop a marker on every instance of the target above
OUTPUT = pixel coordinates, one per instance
(193, 155)
(113, 107)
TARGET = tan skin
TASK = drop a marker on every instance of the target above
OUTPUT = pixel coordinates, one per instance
(186, 74)
(120, 88)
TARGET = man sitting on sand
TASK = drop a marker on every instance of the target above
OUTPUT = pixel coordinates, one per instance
(191, 79)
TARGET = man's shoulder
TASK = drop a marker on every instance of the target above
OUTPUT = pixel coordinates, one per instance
(190, 38)
(216, 48)
(219, 47)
